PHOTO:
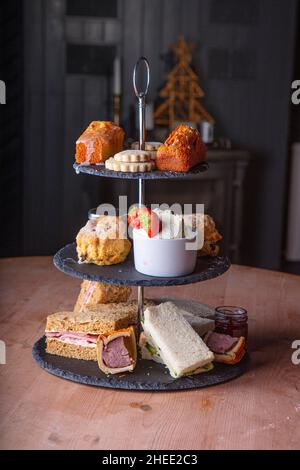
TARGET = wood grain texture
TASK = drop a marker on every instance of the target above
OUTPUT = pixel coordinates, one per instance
(260, 410)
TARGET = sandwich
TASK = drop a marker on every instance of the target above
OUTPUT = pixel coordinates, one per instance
(75, 334)
(169, 338)
(116, 351)
(199, 316)
(199, 324)
(192, 306)
(226, 348)
(94, 293)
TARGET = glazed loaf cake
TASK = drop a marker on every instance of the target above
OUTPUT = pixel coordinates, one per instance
(100, 140)
(182, 150)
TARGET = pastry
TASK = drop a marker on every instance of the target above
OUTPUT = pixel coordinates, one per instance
(103, 241)
(211, 234)
(100, 140)
(112, 164)
(149, 146)
(134, 156)
(94, 293)
(182, 150)
(116, 351)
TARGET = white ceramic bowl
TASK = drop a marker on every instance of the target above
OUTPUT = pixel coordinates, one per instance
(163, 257)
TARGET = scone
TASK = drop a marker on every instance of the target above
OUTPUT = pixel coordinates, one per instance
(182, 150)
(211, 235)
(94, 293)
(103, 241)
(100, 140)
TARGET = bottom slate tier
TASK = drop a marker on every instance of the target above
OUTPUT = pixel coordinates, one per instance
(147, 375)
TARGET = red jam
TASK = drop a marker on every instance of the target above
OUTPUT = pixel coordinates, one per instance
(232, 321)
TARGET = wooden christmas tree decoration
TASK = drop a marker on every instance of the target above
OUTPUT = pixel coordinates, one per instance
(182, 92)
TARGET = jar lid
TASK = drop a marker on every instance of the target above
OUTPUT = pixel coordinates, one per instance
(231, 311)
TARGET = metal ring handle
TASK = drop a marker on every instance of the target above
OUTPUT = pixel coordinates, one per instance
(141, 94)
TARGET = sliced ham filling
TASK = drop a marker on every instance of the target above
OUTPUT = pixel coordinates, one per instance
(220, 343)
(115, 354)
(81, 339)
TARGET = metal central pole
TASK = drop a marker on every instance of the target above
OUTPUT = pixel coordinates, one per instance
(141, 202)
(141, 95)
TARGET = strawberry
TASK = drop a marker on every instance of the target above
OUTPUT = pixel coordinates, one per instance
(133, 219)
(142, 217)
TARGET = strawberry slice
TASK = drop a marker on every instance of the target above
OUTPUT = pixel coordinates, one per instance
(133, 218)
(142, 217)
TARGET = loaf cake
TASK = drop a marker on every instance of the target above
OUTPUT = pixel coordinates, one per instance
(182, 150)
(100, 140)
(103, 241)
(94, 293)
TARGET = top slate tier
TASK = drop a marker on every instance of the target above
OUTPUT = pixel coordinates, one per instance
(100, 170)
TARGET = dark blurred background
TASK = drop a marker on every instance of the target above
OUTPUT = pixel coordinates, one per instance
(57, 59)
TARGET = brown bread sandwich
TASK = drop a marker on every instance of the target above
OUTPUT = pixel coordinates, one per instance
(94, 293)
(75, 334)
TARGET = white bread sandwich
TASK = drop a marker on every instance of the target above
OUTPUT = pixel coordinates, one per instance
(191, 306)
(174, 341)
(116, 351)
(200, 325)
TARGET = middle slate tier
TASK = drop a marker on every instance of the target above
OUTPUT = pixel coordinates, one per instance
(66, 260)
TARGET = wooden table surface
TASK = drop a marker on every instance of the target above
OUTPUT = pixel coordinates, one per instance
(260, 410)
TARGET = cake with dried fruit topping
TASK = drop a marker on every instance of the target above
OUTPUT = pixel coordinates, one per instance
(182, 150)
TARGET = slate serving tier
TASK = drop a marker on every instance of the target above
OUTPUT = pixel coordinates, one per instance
(66, 260)
(148, 375)
(100, 170)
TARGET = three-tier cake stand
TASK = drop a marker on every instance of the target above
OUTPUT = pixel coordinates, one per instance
(148, 375)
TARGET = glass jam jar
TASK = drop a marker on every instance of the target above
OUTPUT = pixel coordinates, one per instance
(232, 321)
